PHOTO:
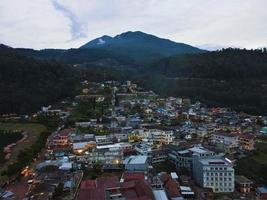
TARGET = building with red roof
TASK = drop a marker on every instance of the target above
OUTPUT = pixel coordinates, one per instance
(133, 176)
(61, 139)
(131, 190)
(95, 189)
(133, 187)
(88, 184)
(171, 186)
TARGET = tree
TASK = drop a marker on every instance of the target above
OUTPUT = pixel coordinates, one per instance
(58, 191)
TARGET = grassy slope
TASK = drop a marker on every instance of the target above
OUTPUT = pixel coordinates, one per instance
(255, 165)
(33, 131)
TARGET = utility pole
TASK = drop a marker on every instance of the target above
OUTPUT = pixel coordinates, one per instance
(113, 113)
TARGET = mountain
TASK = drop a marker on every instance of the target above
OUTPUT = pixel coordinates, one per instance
(141, 46)
(130, 49)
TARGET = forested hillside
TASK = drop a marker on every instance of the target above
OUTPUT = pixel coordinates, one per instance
(228, 64)
(27, 84)
(92, 56)
(232, 77)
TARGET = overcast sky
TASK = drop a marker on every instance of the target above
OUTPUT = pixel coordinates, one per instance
(71, 23)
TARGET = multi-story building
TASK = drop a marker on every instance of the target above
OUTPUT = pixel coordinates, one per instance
(136, 163)
(143, 148)
(155, 136)
(247, 142)
(227, 141)
(243, 184)
(103, 139)
(214, 173)
(110, 156)
(60, 139)
(183, 158)
(157, 156)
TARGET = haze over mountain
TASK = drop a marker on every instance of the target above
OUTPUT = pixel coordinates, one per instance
(141, 46)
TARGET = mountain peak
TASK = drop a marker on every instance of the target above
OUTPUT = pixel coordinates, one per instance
(138, 45)
(3, 46)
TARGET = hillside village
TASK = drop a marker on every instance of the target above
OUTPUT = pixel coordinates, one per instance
(119, 141)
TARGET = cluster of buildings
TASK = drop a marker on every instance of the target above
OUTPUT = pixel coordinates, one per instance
(149, 140)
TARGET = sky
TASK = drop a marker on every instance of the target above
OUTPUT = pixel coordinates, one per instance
(64, 24)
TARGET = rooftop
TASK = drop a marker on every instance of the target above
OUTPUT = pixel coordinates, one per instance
(198, 150)
(262, 189)
(242, 180)
(129, 176)
(88, 184)
(79, 145)
(65, 132)
(135, 160)
(215, 161)
(160, 195)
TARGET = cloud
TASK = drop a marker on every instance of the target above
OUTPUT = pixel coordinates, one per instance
(71, 23)
(77, 28)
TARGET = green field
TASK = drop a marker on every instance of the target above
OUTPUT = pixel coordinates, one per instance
(32, 130)
(9, 137)
(31, 127)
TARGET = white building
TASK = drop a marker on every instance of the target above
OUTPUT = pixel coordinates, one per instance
(184, 158)
(215, 173)
(155, 136)
(136, 163)
(110, 155)
(143, 149)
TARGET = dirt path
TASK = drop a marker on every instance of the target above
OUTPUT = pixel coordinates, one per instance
(32, 130)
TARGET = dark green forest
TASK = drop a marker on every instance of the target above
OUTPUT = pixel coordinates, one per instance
(27, 84)
(231, 77)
